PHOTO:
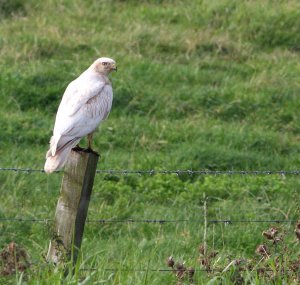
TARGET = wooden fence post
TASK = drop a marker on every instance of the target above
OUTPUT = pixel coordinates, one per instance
(72, 206)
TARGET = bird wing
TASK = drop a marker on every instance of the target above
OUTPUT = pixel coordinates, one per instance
(79, 92)
(100, 106)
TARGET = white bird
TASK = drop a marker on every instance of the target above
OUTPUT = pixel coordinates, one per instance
(86, 102)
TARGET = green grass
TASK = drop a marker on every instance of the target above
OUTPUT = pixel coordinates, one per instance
(200, 85)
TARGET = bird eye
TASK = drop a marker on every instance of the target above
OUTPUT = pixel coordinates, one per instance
(104, 63)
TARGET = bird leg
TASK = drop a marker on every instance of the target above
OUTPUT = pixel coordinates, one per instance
(90, 139)
(89, 149)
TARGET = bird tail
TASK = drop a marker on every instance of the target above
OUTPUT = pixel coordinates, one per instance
(58, 160)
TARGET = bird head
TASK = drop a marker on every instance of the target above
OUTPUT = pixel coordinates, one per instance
(104, 65)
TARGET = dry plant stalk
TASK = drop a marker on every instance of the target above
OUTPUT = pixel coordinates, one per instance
(13, 258)
(275, 253)
(181, 272)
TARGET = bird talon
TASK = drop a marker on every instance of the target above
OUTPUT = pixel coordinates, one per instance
(77, 148)
(89, 150)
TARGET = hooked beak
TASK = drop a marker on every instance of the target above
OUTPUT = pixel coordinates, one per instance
(114, 67)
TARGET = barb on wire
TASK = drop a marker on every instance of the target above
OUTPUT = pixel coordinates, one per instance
(150, 221)
(167, 172)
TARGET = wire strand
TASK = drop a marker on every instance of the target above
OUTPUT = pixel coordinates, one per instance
(168, 172)
(150, 221)
(186, 270)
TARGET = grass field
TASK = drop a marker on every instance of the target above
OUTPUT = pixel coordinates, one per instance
(210, 85)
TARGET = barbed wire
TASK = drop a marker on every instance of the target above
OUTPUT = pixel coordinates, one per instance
(161, 221)
(152, 221)
(239, 264)
(147, 270)
(187, 270)
(167, 172)
(26, 170)
(200, 172)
